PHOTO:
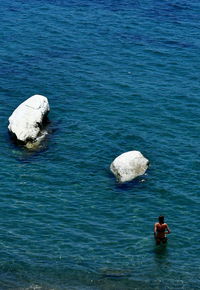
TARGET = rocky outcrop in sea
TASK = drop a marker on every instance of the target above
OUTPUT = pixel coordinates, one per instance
(27, 122)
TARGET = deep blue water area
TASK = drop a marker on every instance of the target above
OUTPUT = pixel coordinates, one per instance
(119, 76)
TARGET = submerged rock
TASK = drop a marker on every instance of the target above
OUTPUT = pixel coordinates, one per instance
(27, 121)
(129, 165)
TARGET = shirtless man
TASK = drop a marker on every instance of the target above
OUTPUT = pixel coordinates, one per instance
(161, 229)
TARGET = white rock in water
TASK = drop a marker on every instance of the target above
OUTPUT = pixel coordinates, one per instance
(129, 165)
(26, 121)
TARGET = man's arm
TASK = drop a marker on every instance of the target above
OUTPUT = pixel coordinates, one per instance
(155, 230)
(168, 230)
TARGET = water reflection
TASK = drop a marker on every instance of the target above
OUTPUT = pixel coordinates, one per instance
(161, 251)
(161, 257)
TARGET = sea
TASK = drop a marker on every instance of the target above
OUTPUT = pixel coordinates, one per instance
(119, 75)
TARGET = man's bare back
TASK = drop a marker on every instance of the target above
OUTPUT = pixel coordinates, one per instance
(161, 229)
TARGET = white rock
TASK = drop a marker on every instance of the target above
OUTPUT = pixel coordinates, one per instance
(129, 165)
(26, 121)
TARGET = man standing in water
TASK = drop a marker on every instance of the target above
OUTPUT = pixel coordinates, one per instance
(161, 229)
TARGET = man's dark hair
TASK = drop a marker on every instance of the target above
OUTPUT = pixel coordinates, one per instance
(161, 219)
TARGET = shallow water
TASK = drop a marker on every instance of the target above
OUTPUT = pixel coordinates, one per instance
(119, 76)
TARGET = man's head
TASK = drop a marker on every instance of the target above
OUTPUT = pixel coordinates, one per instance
(161, 219)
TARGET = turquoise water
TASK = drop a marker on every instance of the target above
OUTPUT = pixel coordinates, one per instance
(119, 76)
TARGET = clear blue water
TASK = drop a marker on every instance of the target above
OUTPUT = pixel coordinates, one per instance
(119, 76)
